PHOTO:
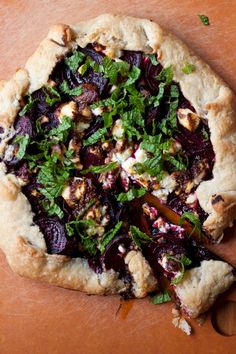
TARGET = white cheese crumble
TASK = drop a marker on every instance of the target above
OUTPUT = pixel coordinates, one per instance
(118, 130)
(97, 111)
(68, 109)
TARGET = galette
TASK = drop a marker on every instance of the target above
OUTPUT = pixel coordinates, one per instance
(118, 160)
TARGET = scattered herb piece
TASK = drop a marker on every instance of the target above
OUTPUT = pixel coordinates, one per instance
(205, 134)
(108, 236)
(131, 194)
(204, 19)
(194, 219)
(188, 68)
(161, 298)
(77, 91)
(152, 166)
(133, 76)
(52, 208)
(138, 236)
(113, 68)
(74, 60)
(23, 141)
(98, 135)
(52, 95)
(166, 75)
(28, 106)
(101, 169)
(153, 59)
(61, 132)
(183, 261)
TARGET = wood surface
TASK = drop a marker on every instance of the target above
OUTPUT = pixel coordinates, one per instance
(36, 318)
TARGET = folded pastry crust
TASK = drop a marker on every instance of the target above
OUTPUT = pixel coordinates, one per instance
(22, 241)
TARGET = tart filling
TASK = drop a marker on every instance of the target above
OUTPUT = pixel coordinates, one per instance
(100, 135)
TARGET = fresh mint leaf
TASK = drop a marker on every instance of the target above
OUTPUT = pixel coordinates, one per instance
(28, 106)
(52, 208)
(133, 193)
(95, 137)
(205, 134)
(108, 236)
(138, 236)
(61, 132)
(112, 69)
(156, 100)
(194, 219)
(204, 19)
(80, 227)
(152, 166)
(101, 169)
(23, 142)
(74, 60)
(188, 68)
(52, 95)
(183, 262)
(133, 76)
(77, 91)
(153, 59)
(179, 165)
(166, 75)
(161, 298)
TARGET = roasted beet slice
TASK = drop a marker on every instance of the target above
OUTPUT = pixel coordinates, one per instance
(150, 73)
(133, 57)
(97, 56)
(113, 257)
(24, 126)
(91, 156)
(88, 96)
(55, 236)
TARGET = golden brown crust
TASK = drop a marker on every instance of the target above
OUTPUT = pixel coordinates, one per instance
(200, 286)
(211, 98)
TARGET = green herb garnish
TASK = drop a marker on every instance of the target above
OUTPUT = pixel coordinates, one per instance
(108, 236)
(133, 193)
(74, 60)
(28, 106)
(61, 132)
(152, 166)
(52, 95)
(153, 59)
(52, 208)
(205, 134)
(23, 142)
(112, 69)
(138, 236)
(188, 68)
(204, 19)
(95, 137)
(101, 169)
(183, 261)
(166, 75)
(194, 219)
(161, 298)
(80, 227)
(77, 91)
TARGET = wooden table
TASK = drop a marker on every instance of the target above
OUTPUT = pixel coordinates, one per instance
(36, 318)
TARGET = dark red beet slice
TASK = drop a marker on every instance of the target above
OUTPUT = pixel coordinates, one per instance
(97, 124)
(150, 73)
(92, 53)
(88, 96)
(112, 257)
(55, 236)
(133, 57)
(24, 126)
(91, 156)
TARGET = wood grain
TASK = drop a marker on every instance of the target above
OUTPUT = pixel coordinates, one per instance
(41, 319)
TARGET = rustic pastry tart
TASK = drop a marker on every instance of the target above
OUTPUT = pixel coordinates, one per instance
(106, 117)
